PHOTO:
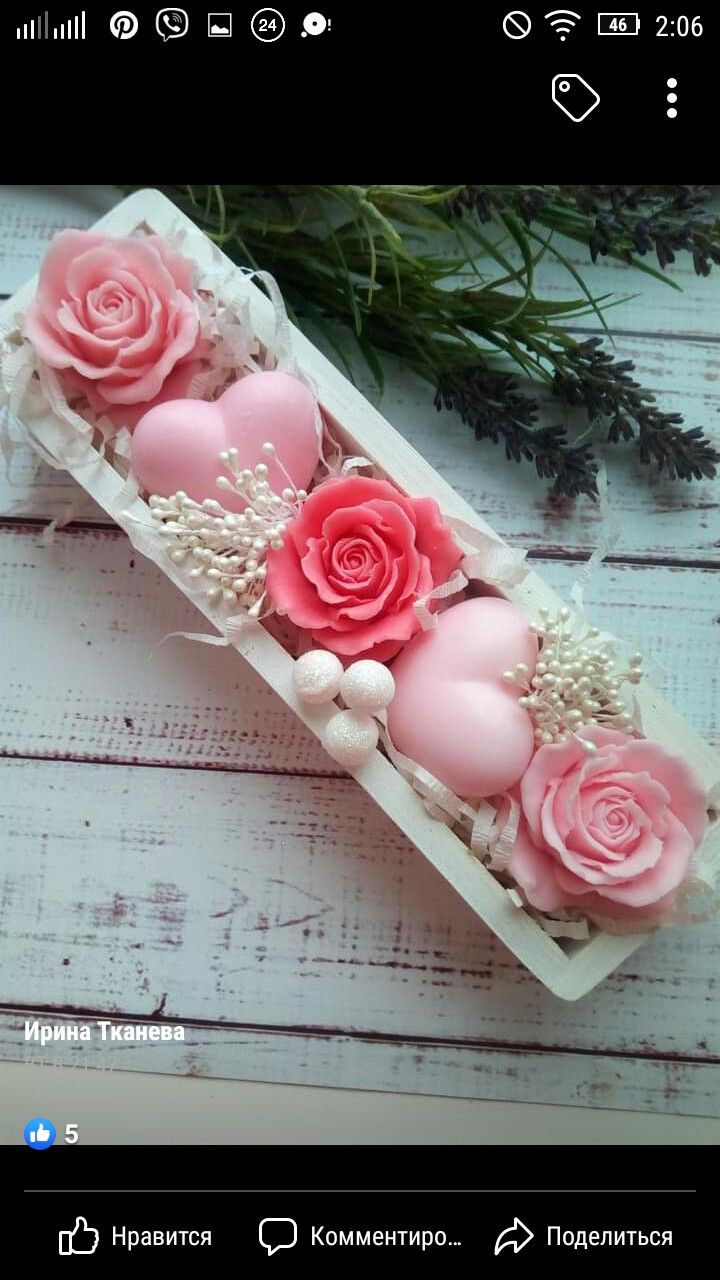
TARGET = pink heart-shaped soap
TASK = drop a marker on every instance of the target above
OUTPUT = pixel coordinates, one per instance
(452, 713)
(176, 445)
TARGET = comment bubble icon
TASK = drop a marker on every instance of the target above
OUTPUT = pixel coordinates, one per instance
(277, 1233)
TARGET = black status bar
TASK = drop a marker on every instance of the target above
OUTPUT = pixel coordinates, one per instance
(369, 25)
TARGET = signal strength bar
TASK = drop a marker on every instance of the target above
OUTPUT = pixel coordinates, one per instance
(39, 28)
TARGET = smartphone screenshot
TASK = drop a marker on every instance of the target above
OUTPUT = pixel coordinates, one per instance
(359, 569)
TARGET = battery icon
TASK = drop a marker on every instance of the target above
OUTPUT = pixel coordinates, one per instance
(618, 24)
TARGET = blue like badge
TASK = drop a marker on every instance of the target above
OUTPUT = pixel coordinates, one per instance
(39, 1133)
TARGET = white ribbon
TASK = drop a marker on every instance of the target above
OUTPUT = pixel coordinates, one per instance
(503, 833)
(560, 926)
(282, 342)
(199, 637)
(565, 924)
(607, 541)
(47, 536)
(492, 562)
(427, 619)
(490, 827)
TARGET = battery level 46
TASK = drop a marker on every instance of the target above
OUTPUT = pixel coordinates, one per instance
(618, 24)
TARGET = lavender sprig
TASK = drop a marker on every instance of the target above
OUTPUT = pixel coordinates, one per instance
(491, 404)
(591, 377)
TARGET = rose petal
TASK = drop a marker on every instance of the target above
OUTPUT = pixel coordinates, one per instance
(175, 387)
(289, 587)
(63, 250)
(534, 871)
(362, 611)
(337, 494)
(666, 874)
(47, 340)
(128, 257)
(150, 384)
(314, 570)
(687, 797)
(547, 765)
(181, 269)
(434, 539)
(398, 627)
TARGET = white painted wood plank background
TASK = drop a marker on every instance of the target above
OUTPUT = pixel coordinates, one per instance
(241, 884)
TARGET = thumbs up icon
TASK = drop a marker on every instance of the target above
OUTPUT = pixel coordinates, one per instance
(39, 1133)
(82, 1238)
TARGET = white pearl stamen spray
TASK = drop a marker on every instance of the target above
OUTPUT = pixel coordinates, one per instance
(576, 681)
(230, 549)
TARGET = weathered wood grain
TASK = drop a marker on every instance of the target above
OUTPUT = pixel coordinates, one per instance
(413, 1066)
(121, 695)
(659, 517)
(291, 903)
(31, 215)
(648, 305)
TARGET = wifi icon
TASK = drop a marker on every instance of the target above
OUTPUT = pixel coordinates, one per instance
(562, 21)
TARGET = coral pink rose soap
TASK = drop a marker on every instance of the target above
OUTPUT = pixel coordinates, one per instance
(451, 712)
(177, 445)
(356, 561)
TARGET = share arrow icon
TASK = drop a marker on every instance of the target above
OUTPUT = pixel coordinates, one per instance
(518, 1235)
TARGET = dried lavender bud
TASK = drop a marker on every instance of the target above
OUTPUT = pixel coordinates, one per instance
(491, 404)
(590, 377)
(643, 220)
(478, 200)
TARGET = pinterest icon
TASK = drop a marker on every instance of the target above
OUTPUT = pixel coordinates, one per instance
(124, 25)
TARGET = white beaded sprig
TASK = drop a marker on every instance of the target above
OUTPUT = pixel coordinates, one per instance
(228, 548)
(576, 681)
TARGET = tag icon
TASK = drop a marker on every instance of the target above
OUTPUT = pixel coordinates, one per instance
(574, 96)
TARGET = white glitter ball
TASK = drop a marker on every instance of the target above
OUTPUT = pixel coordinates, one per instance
(317, 675)
(367, 686)
(350, 738)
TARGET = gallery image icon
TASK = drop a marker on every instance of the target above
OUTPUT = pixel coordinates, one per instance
(219, 25)
(81, 1239)
(574, 96)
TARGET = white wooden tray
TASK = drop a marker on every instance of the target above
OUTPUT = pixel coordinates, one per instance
(570, 969)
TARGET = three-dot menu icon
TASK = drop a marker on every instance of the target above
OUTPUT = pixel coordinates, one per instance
(672, 97)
